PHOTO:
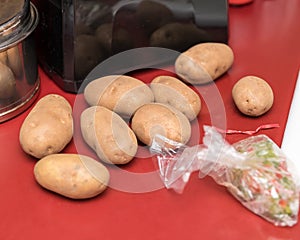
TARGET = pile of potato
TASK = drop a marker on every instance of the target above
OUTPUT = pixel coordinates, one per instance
(123, 111)
(165, 107)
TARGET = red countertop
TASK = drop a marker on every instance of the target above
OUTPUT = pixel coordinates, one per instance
(265, 37)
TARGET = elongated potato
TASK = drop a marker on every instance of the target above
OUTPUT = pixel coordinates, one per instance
(108, 135)
(204, 62)
(177, 36)
(152, 15)
(72, 175)
(14, 61)
(7, 82)
(88, 53)
(112, 39)
(119, 93)
(3, 57)
(158, 118)
(172, 91)
(48, 128)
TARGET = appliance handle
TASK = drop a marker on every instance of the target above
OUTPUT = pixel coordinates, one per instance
(211, 12)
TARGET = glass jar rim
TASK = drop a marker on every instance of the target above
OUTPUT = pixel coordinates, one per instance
(19, 26)
(11, 9)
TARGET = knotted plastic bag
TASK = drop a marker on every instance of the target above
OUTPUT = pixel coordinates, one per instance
(254, 170)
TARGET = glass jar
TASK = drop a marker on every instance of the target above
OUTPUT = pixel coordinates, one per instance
(19, 81)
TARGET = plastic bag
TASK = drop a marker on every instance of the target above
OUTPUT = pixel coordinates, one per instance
(254, 170)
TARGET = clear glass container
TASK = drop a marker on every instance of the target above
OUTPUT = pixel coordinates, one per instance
(19, 81)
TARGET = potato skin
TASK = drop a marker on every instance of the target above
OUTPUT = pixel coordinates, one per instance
(152, 15)
(112, 43)
(172, 91)
(88, 53)
(158, 118)
(177, 36)
(204, 62)
(253, 96)
(3, 57)
(15, 62)
(7, 82)
(48, 128)
(119, 93)
(108, 135)
(72, 175)
(104, 36)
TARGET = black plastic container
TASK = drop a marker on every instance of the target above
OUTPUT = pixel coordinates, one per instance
(76, 35)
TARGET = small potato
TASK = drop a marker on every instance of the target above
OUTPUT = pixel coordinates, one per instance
(122, 40)
(7, 82)
(81, 28)
(48, 128)
(15, 62)
(152, 15)
(103, 34)
(158, 118)
(113, 40)
(172, 91)
(3, 57)
(88, 53)
(204, 62)
(177, 36)
(72, 175)
(119, 93)
(253, 96)
(108, 135)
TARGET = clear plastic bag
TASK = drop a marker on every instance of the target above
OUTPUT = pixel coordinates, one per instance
(254, 170)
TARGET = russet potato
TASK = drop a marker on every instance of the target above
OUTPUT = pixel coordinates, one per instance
(253, 96)
(48, 127)
(204, 62)
(7, 82)
(172, 91)
(119, 93)
(3, 57)
(72, 175)
(162, 119)
(14, 61)
(108, 135)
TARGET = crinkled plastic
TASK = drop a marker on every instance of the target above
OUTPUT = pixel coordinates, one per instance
(254, 170)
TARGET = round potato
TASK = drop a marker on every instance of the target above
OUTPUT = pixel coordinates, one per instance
(253, 96)
(108, 135)
(119, 93)
(172, 91)
(158, 118)
(7, 82)
(72, 175)
(48, 128)
(204, 62)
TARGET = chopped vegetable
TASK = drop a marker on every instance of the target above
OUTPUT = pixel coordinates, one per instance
(263, 182)
(254, 170)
